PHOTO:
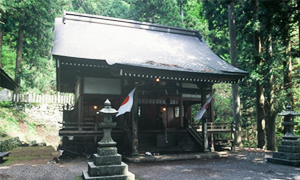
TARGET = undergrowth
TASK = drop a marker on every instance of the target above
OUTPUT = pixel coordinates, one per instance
(9, 120)
(14, 122)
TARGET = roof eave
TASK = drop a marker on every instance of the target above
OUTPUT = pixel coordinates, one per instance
(6, 81)
(196, 77)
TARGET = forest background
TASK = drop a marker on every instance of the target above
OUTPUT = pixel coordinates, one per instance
(267, 36)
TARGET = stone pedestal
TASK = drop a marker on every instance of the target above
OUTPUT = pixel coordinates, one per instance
(107, 164)
(289, 152)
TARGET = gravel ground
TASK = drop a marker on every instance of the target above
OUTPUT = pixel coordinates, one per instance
(242, 165)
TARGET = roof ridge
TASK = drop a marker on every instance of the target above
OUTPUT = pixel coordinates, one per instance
(129, 23)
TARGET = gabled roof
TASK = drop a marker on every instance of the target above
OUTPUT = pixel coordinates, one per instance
(125, 43)
(6, 81)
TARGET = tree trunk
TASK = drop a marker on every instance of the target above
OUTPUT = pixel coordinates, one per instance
(181, 8)
(287, 63)
(18, 69)
(1, 40)
(271, 134)
(260, 112)
(270, 110)
(287, 82)
(235, 87)
(261, 123)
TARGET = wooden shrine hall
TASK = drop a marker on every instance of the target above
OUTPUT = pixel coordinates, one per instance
(99, 58)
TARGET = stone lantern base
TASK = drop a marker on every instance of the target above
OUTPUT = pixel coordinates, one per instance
(288, 153)
(107, 165)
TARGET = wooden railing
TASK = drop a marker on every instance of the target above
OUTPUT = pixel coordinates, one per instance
(90, 125)
(75, 126)
(196, 135)
(216, 127)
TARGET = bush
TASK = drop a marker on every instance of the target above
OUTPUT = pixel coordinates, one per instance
(5, 104)
(9, 144)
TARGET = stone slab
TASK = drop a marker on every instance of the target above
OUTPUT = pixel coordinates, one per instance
(287, 156)
(107, 160)
(107, 170)
(295, 163)
(128, 176)
(290, 143)
(175, 157)
(289, 149)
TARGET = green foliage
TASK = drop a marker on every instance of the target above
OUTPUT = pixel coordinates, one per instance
(5, 103)
(9, 144)
(9, 55)
(216, 14)
(194, 19)
(275, 25)
(37, 67)
(222, 104)
(195, 109)
(115, 8)
(7, 120)
(159, 12)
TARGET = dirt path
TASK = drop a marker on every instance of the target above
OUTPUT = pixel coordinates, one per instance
(243, 165)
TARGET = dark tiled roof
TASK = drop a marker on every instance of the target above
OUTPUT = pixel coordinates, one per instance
(6, 81)
(137, 44)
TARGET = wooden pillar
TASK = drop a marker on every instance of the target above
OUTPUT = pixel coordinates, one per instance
(211, 108)
(80, 112)
(181, 113)
(134, 123)
(80, 106)
(204, 124)
(212, 119)
(212, 149)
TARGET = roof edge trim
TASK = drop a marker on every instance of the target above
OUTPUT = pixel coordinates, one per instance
(128, 23)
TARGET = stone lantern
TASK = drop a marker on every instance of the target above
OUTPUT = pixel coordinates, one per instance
(107, 126)
(289, 123)
(107, 162)
(289, 152)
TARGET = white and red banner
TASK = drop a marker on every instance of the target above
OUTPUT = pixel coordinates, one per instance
(127, 104)
(203, 108)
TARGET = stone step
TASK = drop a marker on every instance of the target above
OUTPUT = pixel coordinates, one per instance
(290, 143)
(107, 170)
(287, 156)
(295, 163)
(289, 149)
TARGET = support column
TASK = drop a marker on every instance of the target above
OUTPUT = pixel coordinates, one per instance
(134, 123)
(212, 149)
(204, 135)
(182, 114)
(204, 125)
